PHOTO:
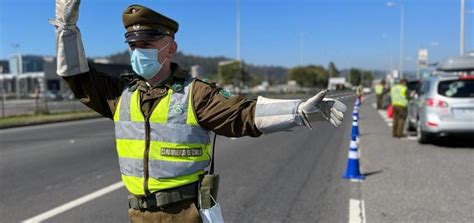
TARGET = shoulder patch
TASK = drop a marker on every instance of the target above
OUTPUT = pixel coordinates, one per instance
(225, 93)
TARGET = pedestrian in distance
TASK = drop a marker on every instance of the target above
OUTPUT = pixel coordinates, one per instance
(163, 117)
(379, 93)
(399, 97)
(360, 93)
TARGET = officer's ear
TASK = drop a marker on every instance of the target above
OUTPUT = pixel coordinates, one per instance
(173, 49)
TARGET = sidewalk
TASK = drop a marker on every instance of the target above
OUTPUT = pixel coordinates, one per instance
(409, 182)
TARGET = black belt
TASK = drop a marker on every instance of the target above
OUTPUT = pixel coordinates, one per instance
(163, 198)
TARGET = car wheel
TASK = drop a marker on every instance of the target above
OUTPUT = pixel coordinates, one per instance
(423, 137)
(411, 126)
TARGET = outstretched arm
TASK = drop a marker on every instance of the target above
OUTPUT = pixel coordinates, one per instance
(235, 116)
(272, 115)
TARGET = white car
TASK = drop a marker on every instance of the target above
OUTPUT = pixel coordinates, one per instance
(444, 104)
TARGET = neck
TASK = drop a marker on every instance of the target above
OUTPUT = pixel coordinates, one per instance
(164, 73)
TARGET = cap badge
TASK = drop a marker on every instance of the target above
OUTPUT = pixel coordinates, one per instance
(136, 27)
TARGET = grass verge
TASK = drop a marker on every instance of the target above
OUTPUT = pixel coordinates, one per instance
(24, 120)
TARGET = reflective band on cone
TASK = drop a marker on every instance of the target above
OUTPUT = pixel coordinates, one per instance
(353, 155)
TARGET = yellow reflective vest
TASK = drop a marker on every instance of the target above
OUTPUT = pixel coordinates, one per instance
(378, 89)
(167, 150)
(398, 93)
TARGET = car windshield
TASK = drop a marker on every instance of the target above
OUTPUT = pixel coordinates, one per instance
(457, 88)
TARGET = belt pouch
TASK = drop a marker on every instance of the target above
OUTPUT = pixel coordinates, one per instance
(209, 187)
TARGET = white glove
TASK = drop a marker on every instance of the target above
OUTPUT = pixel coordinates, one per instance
(319, 108)
(71, 59)
(67, 13)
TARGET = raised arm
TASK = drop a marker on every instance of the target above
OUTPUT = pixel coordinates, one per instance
(71, 59)
(96, 90)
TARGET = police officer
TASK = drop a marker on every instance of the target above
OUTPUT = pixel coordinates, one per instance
(398, 94)
(360, 93)
(379, 92)
(163, 116)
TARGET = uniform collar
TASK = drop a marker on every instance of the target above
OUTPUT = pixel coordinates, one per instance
(176, 74)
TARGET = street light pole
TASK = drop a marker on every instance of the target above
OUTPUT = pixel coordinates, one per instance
(402, 30)
(402, 23)
(2, 91)
(390, 51)
(301, 48)
(463, 12)
(238, 31)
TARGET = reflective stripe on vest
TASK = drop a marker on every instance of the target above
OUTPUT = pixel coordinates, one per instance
(178, 150)
(398, 93)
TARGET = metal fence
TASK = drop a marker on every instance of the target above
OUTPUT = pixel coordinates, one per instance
(41, 106)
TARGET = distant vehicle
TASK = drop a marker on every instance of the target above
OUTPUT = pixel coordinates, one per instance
(367, 90)
(444, 104)
(51, 95)
(68, 96)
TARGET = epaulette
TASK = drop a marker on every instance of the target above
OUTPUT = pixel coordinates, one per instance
(211, 83)
(132, 80)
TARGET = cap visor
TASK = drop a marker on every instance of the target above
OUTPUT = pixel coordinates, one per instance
(142, 37)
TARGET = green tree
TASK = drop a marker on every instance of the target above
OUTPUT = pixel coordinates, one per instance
(360, 77)
(355, 76)
(232, 72)
(368, 78)
(309, 76)
(332, 70)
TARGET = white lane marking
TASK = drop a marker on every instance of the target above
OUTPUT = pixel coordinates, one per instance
(387, 120)
(356, 211)
(411, 138)
(72, 204)
(356, 180)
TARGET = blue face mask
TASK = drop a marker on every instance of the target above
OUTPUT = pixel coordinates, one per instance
(145, 62)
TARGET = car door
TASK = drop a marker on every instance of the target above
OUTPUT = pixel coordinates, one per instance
(419, 103)
(413, 106)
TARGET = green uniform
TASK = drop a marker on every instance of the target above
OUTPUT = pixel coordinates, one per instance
(210, 109)
(215, 110)
(398, 93)
(379, 88)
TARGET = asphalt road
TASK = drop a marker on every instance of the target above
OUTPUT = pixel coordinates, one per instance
(409, 182)
(292, 176)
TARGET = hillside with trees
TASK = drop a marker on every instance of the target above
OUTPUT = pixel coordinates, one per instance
(209, 66)
(309, 75)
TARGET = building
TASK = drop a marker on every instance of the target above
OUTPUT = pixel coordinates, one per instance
(337, 83)
(27, 76)
(196, 71)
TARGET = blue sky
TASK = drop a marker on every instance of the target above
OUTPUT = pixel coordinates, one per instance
(355, 33)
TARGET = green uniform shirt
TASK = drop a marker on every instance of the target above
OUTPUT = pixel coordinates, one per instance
(215, 111)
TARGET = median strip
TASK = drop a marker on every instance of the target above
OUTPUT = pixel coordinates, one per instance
(26, 120)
